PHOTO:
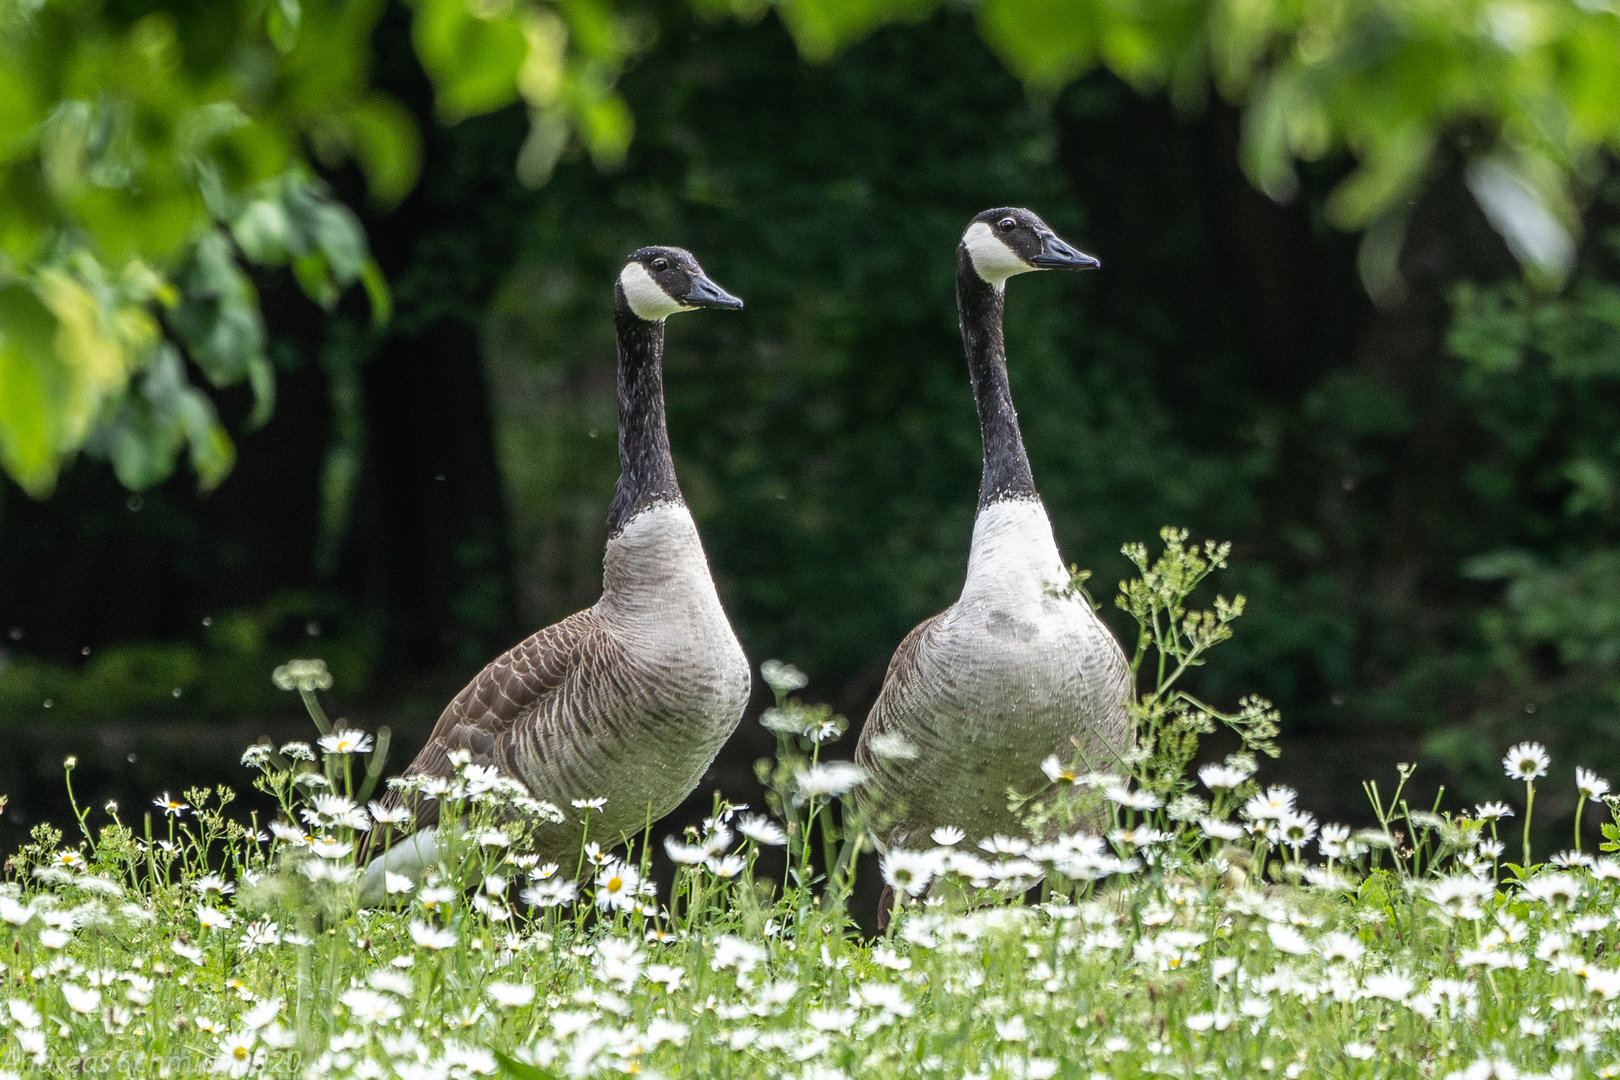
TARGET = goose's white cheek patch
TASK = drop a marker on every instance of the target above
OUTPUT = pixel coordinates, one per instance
(644, 295)
(992, 259)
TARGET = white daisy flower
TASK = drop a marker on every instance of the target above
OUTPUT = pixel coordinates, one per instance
(236, 1057)
(617, 885)
(346, 741)
(510, 995)
(427, 936)
(81, 1000)
(830, 779)
(1057, 772)
(761, 830)
(388, 815)
(1591, 785)
(213, 883)
(908, 871)
(1526, 761)
(1271, 804)
(728, 866)
(213, 918)
(1004, 845)
(1221, 777)
(1297, 829)
(1132, 800)
(369, 1007)
(169, 805)
(331, 849)
(947, 836)
(1556, 889)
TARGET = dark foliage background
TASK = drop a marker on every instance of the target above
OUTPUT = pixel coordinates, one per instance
(1421, 495)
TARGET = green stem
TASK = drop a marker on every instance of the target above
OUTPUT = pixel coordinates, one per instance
(1529, 802)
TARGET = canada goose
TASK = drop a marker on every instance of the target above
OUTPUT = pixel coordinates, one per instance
(979, 695)
(632, 698)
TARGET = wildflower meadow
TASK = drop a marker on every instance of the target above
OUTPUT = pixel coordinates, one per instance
(1165, 915)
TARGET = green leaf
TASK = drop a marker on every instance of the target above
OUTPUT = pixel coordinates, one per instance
(281, 22)
(31, 389)
(262, 378)
(314, 276)
(387, 146)
(338, 234)
(263, 232)
(218, 318)
(1390, 171)
(520, 1069)
(377, 291)
(472, 61)
(821, 27)
(1044, 42)
(607, 128)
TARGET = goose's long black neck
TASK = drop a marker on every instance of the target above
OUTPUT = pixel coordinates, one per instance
(1006, 466)
(646, 471)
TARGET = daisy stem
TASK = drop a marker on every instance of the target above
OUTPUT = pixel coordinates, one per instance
(1580, 804)
(1529, 802)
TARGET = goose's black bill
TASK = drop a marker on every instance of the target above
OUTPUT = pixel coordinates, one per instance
(705, 293)
(1058, 255)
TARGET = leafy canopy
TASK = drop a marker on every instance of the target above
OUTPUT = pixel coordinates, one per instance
(150, 153)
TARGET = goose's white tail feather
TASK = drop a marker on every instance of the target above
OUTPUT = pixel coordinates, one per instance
(409, 857)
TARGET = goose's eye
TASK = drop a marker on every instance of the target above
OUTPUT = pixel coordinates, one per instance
(660, 264)
(1007, 224)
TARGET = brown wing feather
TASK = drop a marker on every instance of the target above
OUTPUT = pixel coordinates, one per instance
(513, 687)
(901, 675)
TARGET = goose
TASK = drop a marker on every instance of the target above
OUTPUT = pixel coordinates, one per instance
(631, 699)
(977, 697)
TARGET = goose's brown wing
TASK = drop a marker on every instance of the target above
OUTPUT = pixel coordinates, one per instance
(510, 691)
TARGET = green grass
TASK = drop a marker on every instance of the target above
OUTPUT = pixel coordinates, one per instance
(1212, 929)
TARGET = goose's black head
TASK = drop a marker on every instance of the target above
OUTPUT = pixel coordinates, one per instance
(1008, 241)
(656, 282)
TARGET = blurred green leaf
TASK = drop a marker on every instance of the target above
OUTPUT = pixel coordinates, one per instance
(281, 22)
(472, 58)
(387, 146)
(30, 391)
